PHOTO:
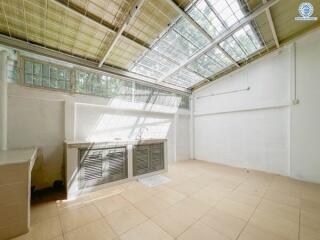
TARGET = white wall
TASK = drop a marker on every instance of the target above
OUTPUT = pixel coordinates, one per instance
(42, 118)
(35, 122)
(247, 129)
(305, 148)
(96, 123)
(260, 128)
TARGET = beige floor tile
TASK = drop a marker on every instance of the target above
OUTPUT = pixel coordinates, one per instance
(204, 180)
(310, 220)
(59, 238)
(209, 196)
(224, 223)
(253, 189)
(136, 194)
(170, 196)
(124, 219)
(174, 221)
(255, 233)
(191, 207)
(146, 231)
(280, 210)
(98, 230)
(107, 205)
(310, 206)
(282, 198)
(152, 206)
(106, 192)
(187, 188)
(44, 230)
(44, 211)
(236, 209)
(64, 206)
(250, 200)
(79, 217)
(279, 226)
(202, 232)
(307, 233)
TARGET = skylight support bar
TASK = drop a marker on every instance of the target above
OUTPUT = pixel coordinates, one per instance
(190, 20)
(131, 15)
(226, 27)
(225, 35)
(228, 56)
(272, 27)
(108, 28)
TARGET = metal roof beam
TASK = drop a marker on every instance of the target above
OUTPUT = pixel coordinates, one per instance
(271, 24)
(225, 35)
(96, 20)
(131, 16)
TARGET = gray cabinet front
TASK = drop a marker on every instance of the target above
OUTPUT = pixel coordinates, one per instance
(98, 166)
(148, 158)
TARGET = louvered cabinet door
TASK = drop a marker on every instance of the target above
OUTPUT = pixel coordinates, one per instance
(90, 167)
(156, 157)
(116, 164)
(141, 156)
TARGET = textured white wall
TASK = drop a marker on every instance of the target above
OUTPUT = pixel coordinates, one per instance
(260, 128)
(99, 123)
(35, 122)
(247, 129)
(305, 137)
(42, 118)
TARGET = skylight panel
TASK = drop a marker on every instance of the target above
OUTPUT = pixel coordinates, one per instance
(205, 66)
(233, 49)
(143, 70)
(229, 10)
(219, 57)
(191, 33)
(206, 18)
(184, 78)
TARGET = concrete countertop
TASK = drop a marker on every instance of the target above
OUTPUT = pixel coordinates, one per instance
(17, 156)
(120, 142)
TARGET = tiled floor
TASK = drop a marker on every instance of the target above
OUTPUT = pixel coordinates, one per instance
(204, 201)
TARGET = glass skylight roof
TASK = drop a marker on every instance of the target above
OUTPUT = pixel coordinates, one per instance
(210, 63)
(183, 40)
(242, 44)
(184, 78)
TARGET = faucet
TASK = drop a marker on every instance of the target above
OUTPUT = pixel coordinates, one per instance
(140, 133)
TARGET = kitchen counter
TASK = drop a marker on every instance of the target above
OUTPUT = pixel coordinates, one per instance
(112, 142)
(94, 165)
(10, 157)
(15, 191)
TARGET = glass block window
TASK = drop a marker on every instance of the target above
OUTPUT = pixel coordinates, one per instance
(12, 71)
(43, 74)
(102, 85)
(46, 75)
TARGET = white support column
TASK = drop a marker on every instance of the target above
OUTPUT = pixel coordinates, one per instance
(175, 122)
(192, 155)
(3, 100)
(69, 120)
